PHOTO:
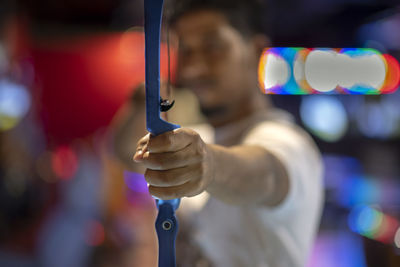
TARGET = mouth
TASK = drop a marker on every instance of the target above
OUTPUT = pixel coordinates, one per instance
(201, 86)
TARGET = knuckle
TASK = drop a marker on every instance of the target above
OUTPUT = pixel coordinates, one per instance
(154, 192)
(143, 140)
(194, 135)
(149, 177)
(157, 162)
(156, 178)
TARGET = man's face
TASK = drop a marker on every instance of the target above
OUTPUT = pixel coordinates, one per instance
(215, 61)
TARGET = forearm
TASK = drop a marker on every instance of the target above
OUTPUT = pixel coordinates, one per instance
(247, 175)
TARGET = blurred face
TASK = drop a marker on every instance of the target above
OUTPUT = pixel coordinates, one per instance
(215, 61)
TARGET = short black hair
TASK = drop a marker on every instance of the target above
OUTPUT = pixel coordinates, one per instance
(249, 17)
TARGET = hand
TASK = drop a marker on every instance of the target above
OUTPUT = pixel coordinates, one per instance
(178, 163)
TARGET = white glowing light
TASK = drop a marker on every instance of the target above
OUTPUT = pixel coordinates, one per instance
(397, 238)
(277, 71)
(321, 70)
(326, 69)
(370, 70)
(325, 116)
(346, 71)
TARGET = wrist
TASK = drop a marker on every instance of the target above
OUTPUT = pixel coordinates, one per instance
(214, 171)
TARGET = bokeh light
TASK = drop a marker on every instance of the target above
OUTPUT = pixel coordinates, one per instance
(377, 119)
(135, 182)
(108, 66)
(64, 162)
(357, 189)
(325, 70)
(15, 102)
(365, 220)
(95, 234)
(324, 116)
(137, 193)
(373, 224)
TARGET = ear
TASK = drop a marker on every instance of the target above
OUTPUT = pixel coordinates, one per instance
(260, 42)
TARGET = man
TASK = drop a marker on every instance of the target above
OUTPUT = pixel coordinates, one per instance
(263, 174)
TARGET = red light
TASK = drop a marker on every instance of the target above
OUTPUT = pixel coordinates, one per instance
(95, 233)
(392, 80)
(387, 230)
(64, 162)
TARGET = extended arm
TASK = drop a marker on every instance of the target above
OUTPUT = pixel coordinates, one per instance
(180, 164)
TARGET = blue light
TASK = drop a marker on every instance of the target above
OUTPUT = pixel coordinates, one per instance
(337, 248)
(324, 116)
(364, 220)
(356, 190)
(15, 102)
(378, 119)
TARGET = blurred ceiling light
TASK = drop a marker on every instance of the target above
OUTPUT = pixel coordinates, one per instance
(15, 102)
(325, 70)
(276, 71)
(324, 116)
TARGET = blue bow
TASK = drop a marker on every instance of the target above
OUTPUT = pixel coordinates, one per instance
(166, 223)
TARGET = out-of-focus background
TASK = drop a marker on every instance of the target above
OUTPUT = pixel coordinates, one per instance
(70, 80)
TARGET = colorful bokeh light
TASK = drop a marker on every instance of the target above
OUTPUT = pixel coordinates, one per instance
(374, 224)
(294, 70)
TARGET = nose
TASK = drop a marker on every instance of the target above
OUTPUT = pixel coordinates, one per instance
(193, 66)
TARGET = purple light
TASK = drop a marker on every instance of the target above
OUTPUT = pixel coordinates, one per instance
(337, 248)
(135, 182)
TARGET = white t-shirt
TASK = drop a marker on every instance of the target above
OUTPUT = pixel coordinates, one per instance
(235, 236)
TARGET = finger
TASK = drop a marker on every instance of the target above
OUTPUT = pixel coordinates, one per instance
(141, 148)
(143, 142)
(188, 189)
(173, 177)
(171, 160)
(172, 141)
